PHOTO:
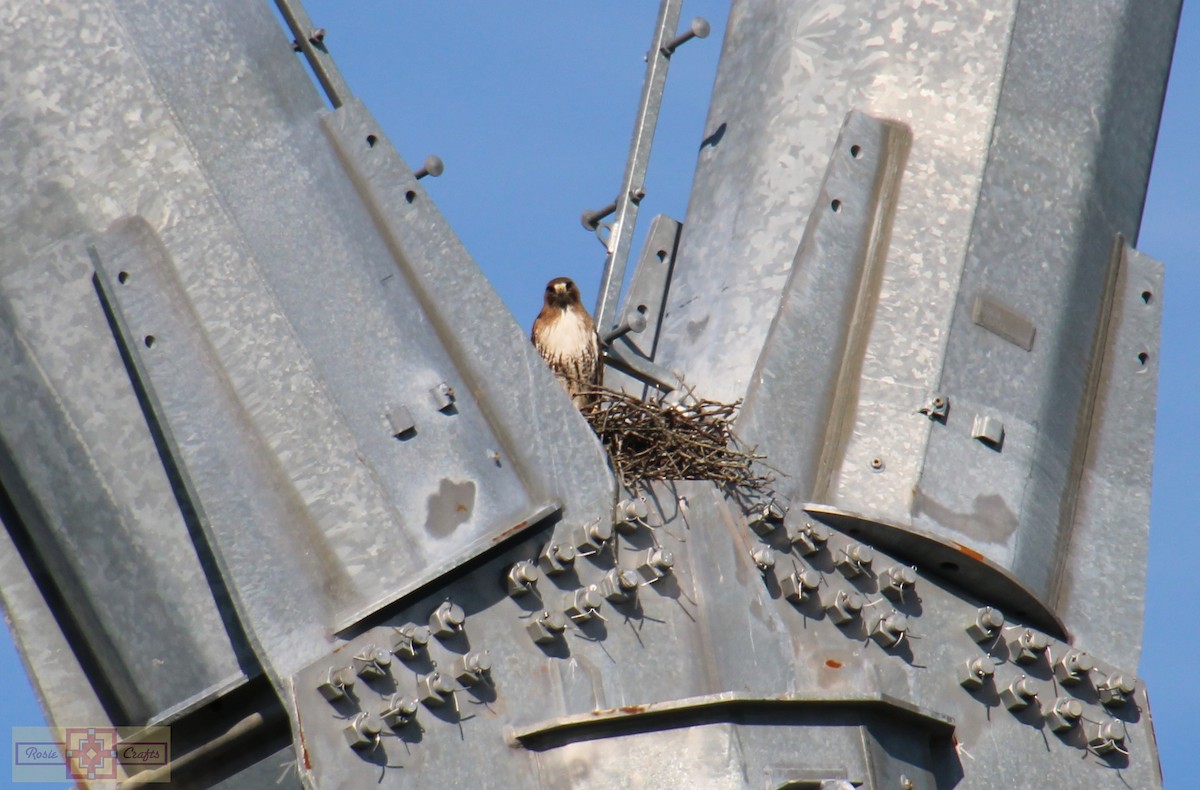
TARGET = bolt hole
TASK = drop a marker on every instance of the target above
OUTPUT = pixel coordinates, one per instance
(856, 151)
(410, 196)
(642, 309)
(1147, 297)
(122, 277)
(662, 255)
(149, 341)
(1143, 357)
(948, 566)
(836, 205)
(371, 140)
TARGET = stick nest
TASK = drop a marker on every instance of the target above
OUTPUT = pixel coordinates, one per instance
(661, 440)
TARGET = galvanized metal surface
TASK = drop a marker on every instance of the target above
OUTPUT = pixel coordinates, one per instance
(946, 348)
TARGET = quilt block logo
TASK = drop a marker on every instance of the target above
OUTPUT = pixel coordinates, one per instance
(96, 755)
(91, 753)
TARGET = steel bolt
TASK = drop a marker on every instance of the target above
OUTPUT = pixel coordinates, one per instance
(398, 710)
(619, 585)
(1116, 689)
(555, 558)
(1028, 646)
(1106, 736)
(546, 627)
(1073, 667)
(447, 620)
(433, 166)
(337, 683)
(987, 624)
(591, 538)
(764, 558)
(443, 396)
(521, 577)
(846, 606)
(810, 538)
(988, 430)
(766, 518)
(583, 605)
(363, 731)
(1018, 694)
(855, 559)
(628, 513)
(892, 629)
(1065, 714)
(658, 563)
(698, 29)
(798, 586)
(975, 672)
(435, 688)
(409, 639)
(473, 667)
(896, 579)
(372, 662)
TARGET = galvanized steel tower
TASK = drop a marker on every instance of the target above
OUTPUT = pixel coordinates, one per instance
(372, 544)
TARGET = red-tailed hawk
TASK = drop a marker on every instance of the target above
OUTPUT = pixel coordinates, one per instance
(566, 338)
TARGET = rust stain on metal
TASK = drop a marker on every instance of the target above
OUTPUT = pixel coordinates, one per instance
(632, 709)
(833, 663)
(970, 552)
(499, 536)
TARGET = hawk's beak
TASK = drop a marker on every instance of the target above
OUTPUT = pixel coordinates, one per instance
(560, 288)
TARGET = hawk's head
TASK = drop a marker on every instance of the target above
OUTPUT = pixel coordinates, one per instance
(561, 292)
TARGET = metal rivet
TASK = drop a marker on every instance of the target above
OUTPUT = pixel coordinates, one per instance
(764, 558)
(877, 464)
(433, 166)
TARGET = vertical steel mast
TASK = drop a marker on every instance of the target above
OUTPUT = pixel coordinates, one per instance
(263, 481)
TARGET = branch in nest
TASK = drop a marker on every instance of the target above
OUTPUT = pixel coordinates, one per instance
(667, 441)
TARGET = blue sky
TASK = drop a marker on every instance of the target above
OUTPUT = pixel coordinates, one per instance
(532, 113)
